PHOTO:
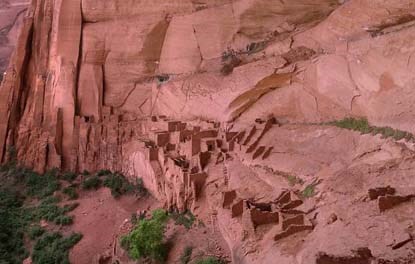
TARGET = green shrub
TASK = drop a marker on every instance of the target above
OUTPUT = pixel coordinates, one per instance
(209, 260)
(229, 64)
(362, 125)
(12, 224)
(118, 184)
(50, 200)
(49, 210)
(141, 189)
(70, 207)
(309, 191)
(53, 248)
(103, 173)
(71, 193)
(186, 255)
(293, 180)
(35, 232)
(41, 186)
(69, 176)
(64, 220)
(200, 223)
(134, 218)
(185, 219)
(91, 183)
(17, 219)
(146, 239)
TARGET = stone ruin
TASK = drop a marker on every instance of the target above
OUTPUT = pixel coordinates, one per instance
(387, 197)
(281, 212)
(179, 153)
(249, 142)
(182, 151)
(359, 256)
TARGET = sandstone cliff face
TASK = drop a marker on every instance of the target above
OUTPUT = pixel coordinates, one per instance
(12, 12)
(216, 104)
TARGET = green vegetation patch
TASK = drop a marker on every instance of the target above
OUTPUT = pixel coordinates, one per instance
(41, 186)
(186, 255)
(69, 176)
(35, 231)
(12, 226)
(294, 180)
(362, 125)
(103, 173)
(17, 219)
(26, 197)
(91, 183)
(146, 239)
(309, 191)
(50, 211)
(185, 219)
(52, 248)
(118, 184)
(71, 192)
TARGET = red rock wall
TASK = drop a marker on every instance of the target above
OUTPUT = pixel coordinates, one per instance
(52, 108)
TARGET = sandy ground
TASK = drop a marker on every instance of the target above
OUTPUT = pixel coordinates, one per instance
(102, 220)
(205, 241)
(99, 217)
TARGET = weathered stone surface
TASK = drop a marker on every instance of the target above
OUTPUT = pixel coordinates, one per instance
(259, 217)
(381, 191)
(11, 20)
(237, 208)
(390, 201)
(361, 256)
(292, 229)
(228, 198)
(151, 89)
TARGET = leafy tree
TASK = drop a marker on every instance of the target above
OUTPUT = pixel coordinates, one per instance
(146, 239)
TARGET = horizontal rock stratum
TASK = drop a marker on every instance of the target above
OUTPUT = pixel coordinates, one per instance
(225, 107)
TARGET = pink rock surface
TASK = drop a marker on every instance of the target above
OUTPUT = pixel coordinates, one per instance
(181, 94)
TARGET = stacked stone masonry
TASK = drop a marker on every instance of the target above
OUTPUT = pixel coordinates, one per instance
(387, 199)
(280, 212)
(182, 151)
